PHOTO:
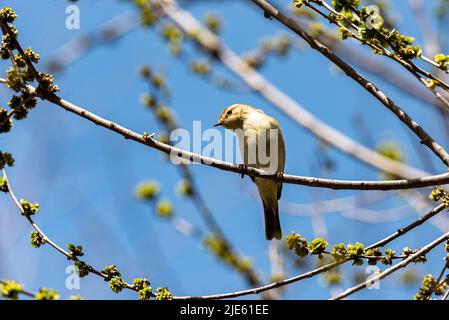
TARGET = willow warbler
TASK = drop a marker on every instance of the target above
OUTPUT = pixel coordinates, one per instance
(261, 146)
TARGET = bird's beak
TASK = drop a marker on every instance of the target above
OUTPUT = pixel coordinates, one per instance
(219, 123)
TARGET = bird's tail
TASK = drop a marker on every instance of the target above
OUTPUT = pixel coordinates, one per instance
(272, 223)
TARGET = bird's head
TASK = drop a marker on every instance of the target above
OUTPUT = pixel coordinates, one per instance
(233, 116)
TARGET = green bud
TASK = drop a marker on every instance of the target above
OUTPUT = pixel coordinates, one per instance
(164, 114)
(8, 14)
(36, 239)
(213, 23)
(149, 101)
(374, 255)
(339, 252)
(145, 293)
(317, 246)
(355, 252)
(3, 185)
(442, 60)
(117, 284)
(10, 290)
(388, 258)
(438, 194)
(29, 208)
(76, 251)
(81, 268)
(147, 190)
(200, 67)
(145, 72)
(140, 283)
(6, 159)
(5, 126)
(164, 208)
(185, 188)
(47, 294)
(164, 294)
(298, 3)
(298, 244)
(344, 33)
(111, 272)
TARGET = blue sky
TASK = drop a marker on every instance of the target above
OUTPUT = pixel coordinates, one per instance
(84, 176)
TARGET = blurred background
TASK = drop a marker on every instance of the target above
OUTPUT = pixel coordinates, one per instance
(85, 177)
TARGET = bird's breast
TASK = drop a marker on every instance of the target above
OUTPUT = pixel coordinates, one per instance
(263, 149)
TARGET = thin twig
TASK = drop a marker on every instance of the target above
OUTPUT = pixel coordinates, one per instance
(211, 43)
(408, 65)
(120, 25)
(177, 153)
(46, 239)
(367, 61)
(411, 226)
(431, 45)
(232, 294)
(314, 272)
(22, 291)
(250, 275)
(440, 282)
(394, 268)
(353, 74)
(446, 295)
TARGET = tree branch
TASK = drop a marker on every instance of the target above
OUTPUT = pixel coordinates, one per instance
(352, 73)
(411, 226)
(394, 268)
(22, 291)
(226, 166)
(414, 70)
(208, 41)
(318, 270)
(46, 239)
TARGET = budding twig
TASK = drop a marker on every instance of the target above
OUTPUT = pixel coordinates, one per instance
(352, 73)
(394, 268)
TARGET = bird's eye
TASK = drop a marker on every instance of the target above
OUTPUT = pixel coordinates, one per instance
(229, 112)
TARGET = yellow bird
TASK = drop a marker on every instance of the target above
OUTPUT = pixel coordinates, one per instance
(261, 146)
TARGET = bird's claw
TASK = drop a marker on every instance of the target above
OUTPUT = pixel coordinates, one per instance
(279, 175)
(243, 168)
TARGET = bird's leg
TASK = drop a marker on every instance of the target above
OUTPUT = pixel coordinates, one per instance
(243, 168)
(279, 175)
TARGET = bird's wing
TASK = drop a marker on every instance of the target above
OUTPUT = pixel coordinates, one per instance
(279, 190)
(281, 159)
